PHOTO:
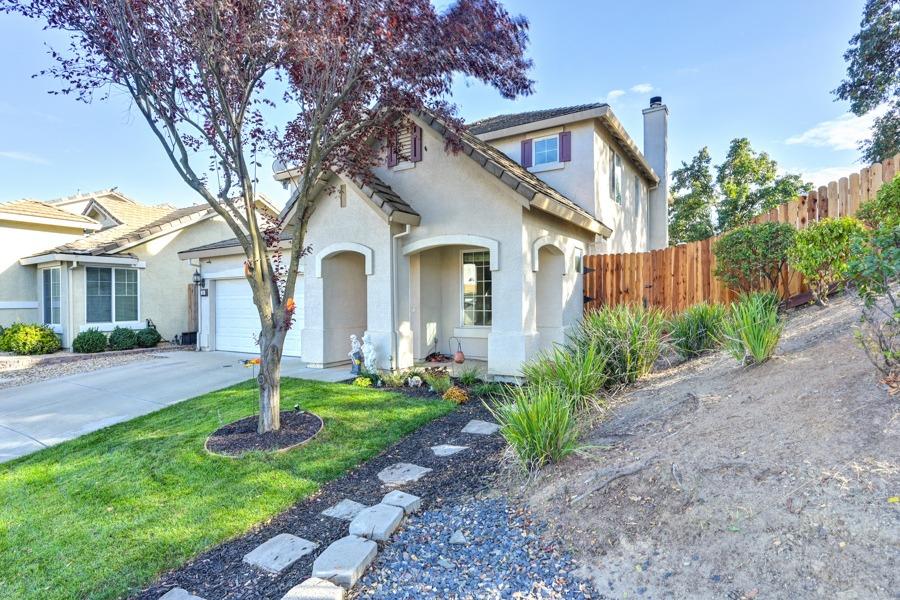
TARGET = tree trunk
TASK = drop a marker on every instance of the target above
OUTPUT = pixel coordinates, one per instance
(270, 383)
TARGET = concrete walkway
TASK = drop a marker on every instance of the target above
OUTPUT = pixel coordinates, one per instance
(41, 414)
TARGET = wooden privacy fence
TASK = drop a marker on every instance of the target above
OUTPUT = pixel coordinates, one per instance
(677, 277)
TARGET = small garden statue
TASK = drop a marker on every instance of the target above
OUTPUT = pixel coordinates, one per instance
(414, 381)
(356, 355)
(370, 358)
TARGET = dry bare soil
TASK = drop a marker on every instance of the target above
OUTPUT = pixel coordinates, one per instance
(710, 480)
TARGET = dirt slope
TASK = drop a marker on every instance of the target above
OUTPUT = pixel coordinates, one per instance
(715, 481)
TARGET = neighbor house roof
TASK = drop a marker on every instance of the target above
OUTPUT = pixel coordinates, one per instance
(225, 247)
(493, 128)
(34, 211)
(489, 124)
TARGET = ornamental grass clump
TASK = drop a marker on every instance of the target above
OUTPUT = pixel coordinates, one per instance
(538, 422)
(438, 382)
(697, 330)
(579, 370)
(627, 336)
(469, 376)
(753, 328)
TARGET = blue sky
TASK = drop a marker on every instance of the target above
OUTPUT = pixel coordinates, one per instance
(762, 70)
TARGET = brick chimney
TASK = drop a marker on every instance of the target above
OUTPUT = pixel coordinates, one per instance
(656, 151)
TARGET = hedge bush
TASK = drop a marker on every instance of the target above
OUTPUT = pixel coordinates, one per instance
(89, 342)
(884, 209)
(752, 257)
(147, 337)
(821, 253)
(122, 338)
(29, 338)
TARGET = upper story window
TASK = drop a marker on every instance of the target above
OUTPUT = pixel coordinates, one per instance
(51, 295)
(546, 150)
(616, 176)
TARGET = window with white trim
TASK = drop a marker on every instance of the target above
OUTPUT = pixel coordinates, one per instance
(546, 150)
(616, 175)
(476, 288)
(637, 193)
(111, 295)
(51, 295)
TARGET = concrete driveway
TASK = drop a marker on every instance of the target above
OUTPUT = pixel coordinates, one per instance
(41, 414)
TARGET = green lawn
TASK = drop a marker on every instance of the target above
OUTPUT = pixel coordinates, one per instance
(100, 516)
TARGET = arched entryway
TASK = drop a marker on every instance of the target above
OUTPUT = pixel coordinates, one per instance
(549, 292)
(345, 293)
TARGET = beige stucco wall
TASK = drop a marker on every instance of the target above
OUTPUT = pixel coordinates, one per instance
(19, 292)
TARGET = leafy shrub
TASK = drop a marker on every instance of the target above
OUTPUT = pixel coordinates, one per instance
(393, 378)
(697, 329)
(439, 382)
(456, 394)
(122, 338)
(873, 271)
(537, 421)
(627, 336)
(486, 389)
(884, 209)
(362, 382)
(748, 255)
(752, 329)
(579, 370)
(469, 376)
(90, 341)
(147, 337)
(821, 253)
(30, 338)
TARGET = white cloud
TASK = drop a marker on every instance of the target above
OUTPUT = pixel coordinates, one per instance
(642, 88)
(843, 133)
(614, 94)
(23, 157)
(825, 175)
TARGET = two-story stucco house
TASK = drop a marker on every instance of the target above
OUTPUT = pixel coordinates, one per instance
(481, 248)
(100, 260)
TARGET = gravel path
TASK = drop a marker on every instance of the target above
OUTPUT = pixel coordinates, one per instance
(13, 378)
(504, 556)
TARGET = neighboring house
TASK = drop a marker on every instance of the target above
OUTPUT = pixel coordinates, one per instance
(481, 248)
(100, 260)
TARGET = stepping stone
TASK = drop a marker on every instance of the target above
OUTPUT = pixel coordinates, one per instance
(344, 510)
(179, 594)
(480, 427)
(447, 449)
(344, 561)
(315, 589)
(407, 502)
(280, 552)
(377, 522)
(402, 473)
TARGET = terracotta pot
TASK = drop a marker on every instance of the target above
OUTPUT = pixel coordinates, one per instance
(458, 357)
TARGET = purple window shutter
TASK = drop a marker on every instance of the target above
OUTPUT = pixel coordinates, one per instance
(565, 146)
(392, 154)
(416, 144)
(526, 153)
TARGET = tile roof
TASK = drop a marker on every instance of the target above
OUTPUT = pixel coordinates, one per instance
(229, 243)
(138, 221)
(386, 198)
(512, 120)
(34, 208)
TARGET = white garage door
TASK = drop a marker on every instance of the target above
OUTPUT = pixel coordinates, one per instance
(237, 322)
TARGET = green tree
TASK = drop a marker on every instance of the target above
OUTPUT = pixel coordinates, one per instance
(693, 196)
(873, 76)
(749, 184)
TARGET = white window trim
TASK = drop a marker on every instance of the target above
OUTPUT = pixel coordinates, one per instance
(545, 165)
(108, 325)
(42, 305)
(472, 330)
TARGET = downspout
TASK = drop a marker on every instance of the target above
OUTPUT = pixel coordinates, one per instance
(395, 295)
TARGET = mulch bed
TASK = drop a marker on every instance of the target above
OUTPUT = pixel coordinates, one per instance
(219, 574)
(240, 437)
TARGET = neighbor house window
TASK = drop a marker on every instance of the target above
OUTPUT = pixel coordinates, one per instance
(111, 295)
(546, 150)
(51, 296)
(637, 193)
(476, 288)
(615, 176)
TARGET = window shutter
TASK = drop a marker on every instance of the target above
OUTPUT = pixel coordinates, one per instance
(526, 153)
(392, 154)
(565, 146)
(416, 143)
